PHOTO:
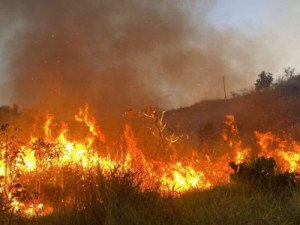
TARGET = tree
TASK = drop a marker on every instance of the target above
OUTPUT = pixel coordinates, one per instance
(45, 152)
(264, 81)
(12, 154)
(289, 73)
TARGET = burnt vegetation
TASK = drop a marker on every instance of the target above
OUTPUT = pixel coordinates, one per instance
(119, 198)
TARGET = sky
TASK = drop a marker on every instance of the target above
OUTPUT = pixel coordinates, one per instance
(272, 24)
(240, 14)
(168, 53)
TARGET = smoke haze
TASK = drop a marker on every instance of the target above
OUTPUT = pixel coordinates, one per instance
(116, 54)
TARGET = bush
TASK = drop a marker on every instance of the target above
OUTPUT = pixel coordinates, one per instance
(264, 81)
(290, 86)
(263, 174)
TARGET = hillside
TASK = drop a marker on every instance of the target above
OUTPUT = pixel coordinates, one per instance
(276, 109)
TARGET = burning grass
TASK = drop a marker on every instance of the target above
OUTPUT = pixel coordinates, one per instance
(89, 179)
(119, 200)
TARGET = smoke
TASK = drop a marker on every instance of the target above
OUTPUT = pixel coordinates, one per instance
(116, 54)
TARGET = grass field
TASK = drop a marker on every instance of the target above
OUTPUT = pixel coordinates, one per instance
(119, 201)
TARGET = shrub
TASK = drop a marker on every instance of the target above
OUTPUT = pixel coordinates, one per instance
(263, 174)
(264, 81)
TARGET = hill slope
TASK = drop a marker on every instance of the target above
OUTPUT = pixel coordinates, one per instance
(276, 109)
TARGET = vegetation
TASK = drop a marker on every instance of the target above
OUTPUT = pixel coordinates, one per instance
(258, 194)
(263, 174)
(264, 81)
(118, 200)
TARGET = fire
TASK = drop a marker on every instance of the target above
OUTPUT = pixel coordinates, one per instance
(231, 136)
(59, 151)
(183, 178)
(29, 159)
(83, 116)
(285, 151)
(48, 122)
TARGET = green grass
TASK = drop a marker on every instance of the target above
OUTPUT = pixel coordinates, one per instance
(118, 201)
(236, 205)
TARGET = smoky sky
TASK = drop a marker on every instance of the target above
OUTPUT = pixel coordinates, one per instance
(118, 54)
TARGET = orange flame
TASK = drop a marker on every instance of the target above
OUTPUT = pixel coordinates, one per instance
(176, 175)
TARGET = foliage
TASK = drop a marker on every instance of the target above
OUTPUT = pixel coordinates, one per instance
(262, 174)
(290, 86)
(7, 217)
(13, 154)
(45, 150)
(122, 203)
(116, 199)
(288, 73)
(264, 81)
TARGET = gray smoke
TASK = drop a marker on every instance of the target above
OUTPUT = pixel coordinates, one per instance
(118, 54)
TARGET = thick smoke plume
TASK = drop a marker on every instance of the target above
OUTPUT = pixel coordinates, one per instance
(116, 54)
